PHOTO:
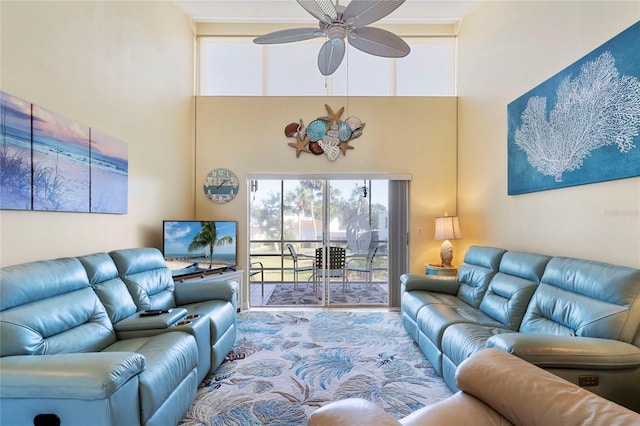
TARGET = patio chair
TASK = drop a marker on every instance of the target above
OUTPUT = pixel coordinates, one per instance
(256, 268)
(297, 267)
(363, 264)
(336, 269)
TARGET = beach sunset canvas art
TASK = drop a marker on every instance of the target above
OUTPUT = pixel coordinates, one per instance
(15, 153)
(109, 173)
(60, 162)
(52, 163)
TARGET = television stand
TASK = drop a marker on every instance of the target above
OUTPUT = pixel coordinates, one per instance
(213, 276)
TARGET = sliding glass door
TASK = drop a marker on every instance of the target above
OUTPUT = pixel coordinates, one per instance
(318, 242)
(356, 212)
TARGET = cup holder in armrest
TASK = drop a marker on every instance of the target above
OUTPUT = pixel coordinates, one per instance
(184, 322)
(192, 317)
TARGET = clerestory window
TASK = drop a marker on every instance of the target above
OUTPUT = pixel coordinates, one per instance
(235, 66)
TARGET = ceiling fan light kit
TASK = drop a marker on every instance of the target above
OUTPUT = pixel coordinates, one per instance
(338, 23)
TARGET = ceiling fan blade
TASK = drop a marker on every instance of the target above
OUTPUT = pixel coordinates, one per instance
(288, 36)
(320, 9)
(379, 42)
(331, 55)
(359, 13)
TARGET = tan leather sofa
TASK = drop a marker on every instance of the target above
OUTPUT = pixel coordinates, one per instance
(496, 388)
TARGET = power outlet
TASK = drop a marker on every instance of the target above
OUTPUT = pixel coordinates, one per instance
(588, 381)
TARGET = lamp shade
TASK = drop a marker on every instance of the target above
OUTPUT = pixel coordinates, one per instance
(447, 228)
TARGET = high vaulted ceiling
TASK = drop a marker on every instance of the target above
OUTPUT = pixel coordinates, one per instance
(280, 11)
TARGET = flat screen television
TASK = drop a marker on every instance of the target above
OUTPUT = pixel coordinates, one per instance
(192, 247)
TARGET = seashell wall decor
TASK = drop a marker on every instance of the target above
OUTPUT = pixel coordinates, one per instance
(328, 135)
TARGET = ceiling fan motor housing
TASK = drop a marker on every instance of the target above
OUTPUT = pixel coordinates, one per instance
(337, 30)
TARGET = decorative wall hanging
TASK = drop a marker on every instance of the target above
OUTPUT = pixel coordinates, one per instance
(15, 153)
(60, 151)
(49, 162)
(581, 125)
(327, 135)
(109, 173)
(221, 185)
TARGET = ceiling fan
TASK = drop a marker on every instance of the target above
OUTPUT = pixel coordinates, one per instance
(337, 23)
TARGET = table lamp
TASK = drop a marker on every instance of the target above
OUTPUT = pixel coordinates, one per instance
(447, 228)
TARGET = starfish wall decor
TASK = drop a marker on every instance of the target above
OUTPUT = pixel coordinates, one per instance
(327, 135)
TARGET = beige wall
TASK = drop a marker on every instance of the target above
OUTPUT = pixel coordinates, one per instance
(412, 135)
(507, 48)
(125, 68)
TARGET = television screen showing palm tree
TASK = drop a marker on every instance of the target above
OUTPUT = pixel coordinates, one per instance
(192, 247)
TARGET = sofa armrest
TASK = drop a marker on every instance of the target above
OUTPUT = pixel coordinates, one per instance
(435, 283)
(351, 411)
(526, 394)
(550, 351)
(200, 291)
(84, 376)
(137, 322)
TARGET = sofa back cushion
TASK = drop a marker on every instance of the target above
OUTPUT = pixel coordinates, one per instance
(112, 291)
(585, 298)
(479, 267)
(511, 288)
(146, 276)
(48, 307)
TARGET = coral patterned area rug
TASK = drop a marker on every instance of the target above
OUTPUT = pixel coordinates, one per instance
(285, 365)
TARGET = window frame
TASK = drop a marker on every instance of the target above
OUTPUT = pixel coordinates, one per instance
(332, 81)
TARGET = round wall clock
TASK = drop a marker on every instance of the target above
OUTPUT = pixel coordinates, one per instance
(221, 185)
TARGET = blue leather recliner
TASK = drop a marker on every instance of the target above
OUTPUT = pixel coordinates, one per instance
(74, 348)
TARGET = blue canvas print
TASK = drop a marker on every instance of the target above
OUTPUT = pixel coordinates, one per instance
(581, 125)
(60, 153)
(109, 174)
(15, 153)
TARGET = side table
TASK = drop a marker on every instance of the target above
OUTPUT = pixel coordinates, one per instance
(440, 270)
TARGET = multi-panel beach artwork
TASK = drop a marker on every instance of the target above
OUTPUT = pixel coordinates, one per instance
(49, 162)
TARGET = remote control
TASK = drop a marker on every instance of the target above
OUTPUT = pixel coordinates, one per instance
(154, 312)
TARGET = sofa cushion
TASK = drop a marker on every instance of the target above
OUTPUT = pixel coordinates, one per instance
(170, 358)
(413, 301)
(435, 318)
(479, 267)
(48, 307)
(147, 277)
(460, 341)
(511, 288)
(112, 291)
(585, 298)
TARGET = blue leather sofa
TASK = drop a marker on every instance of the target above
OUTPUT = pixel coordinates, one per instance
(576, 318)
(75, 349)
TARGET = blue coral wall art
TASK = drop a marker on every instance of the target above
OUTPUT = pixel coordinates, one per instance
(582, 125)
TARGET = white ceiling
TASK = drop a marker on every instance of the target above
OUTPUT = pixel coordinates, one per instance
(280, 11)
